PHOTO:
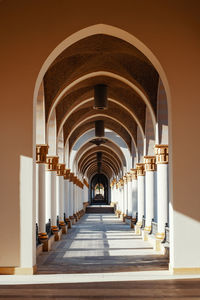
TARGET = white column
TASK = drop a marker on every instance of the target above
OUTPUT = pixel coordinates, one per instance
(129, 186)
(149, 192)
(141, 195)
(71, 195)
(118, 198)
(74, 196)
(52, 162)
(134, 193)
(66, 192)
(41, 152)
(85, 188)
(82, 196)
(162, 189)
(66, 197)
(122, 196)
(125, 196)
(60, 191)
(86, 192)
(40, 174)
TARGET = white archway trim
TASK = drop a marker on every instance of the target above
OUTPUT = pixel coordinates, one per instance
(101, 115)
(93, 146)
(93, 157)
(94, 173)
(72, 157)
(133, 86)
(90, 99)
(92, 136)
(107, 30)
(105, 165)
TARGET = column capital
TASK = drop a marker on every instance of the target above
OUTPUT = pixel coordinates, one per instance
(140, 169)
(60, 169)
(121, 182)
(66, 174)
(129, 177)
(133, 174)
(113, 182)
(86, 183)
(125, 179)
(52, 162)
(162, 154)
(150, 163)
(41, 153)
(75, 180)
(71, 176)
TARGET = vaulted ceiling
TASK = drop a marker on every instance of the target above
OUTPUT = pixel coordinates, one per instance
(69, 88)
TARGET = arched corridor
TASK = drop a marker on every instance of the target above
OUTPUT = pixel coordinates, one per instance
(99, 153)
(105, 117)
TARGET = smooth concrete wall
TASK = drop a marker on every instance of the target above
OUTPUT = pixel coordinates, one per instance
(30, 31)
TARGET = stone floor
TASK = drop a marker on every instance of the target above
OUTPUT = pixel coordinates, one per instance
(100, 243)
(101, 258)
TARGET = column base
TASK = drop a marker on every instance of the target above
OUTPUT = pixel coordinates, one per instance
(76, 217)
(57, 235)
(133, 222)
(56, 232)
(72, 219)
(69, 225)
(118, 213)
(63, 227)
(158, 241)
(145, 233)
(138, 230)
(42, 236)
(124, 217)
(47, 244)
(82, 212)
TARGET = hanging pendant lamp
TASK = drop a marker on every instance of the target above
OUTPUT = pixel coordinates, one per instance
(99, 128)
(100, 96)
(99, 156)
(99, 167)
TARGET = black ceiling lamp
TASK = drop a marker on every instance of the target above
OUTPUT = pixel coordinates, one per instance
(98, 142)
(99, 128)
(99, 167)
(99, 156)
(100, 96)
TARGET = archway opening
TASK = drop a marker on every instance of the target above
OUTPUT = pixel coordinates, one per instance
(99, 190)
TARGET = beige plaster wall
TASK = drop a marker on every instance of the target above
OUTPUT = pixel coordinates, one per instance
(30, 30)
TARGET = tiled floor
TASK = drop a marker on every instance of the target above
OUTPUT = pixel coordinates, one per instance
(96, 245)
(100, 243)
